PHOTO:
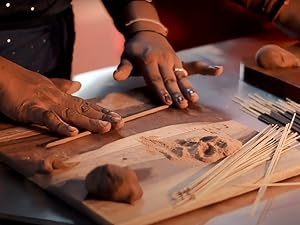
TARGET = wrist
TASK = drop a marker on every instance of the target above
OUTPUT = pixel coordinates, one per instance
(132, 16)
(142, 16)
(7, 73)
(144, 24)
(145, 33)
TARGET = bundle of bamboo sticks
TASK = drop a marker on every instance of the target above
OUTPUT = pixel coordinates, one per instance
(278, 112)
(268, 144)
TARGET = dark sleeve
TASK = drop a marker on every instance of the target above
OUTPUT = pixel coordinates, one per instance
(115, 10)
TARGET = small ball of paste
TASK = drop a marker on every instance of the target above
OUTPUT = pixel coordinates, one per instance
(272, 56)
(114, 183)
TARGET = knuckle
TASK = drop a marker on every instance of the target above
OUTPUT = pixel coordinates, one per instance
(149, 58)
(51, 120)
(155, 79)
(71, 114)
(169, 80)
(180, 76)
(22, 112)
(134, 47)
(49, 115)
(84, 107)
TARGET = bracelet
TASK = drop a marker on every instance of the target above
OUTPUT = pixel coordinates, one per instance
(145, 24)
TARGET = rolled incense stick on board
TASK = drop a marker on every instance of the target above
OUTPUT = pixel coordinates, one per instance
(126, 119)
(145, 113)
(67, 139)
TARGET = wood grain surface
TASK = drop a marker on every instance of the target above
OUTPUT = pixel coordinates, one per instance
(159, 176)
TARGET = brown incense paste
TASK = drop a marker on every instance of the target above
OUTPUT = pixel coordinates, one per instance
(207, 149)
(114, 183)
(272, 56)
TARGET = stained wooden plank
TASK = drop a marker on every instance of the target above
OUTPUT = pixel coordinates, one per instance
(160, 176)
(165, 176)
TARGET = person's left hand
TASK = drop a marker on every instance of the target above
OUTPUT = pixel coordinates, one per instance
(150, 54)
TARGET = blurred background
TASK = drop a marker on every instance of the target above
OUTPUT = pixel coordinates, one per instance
(98, 44)
(191, 23)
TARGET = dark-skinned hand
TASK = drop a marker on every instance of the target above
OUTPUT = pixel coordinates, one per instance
(150, 54)
(31, 98)
(289, 18)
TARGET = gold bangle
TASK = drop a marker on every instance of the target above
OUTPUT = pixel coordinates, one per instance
(146, 20)
(161, 29)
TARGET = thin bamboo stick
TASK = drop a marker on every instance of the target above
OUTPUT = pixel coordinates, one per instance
(68, 139)
(256, 151)
(126, 119)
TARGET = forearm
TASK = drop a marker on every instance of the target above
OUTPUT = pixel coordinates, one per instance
(284, 13)
(270, 9)
(131, 16)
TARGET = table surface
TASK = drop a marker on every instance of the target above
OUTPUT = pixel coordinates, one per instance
(22, 201)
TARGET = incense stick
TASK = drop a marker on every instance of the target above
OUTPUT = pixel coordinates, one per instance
(278, 112)
(256, 151)
(67, 139)
(145, 113)
(284, 184)
(272, 165)
(126, 119)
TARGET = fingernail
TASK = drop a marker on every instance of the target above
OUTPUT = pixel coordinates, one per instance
(112, 117)
(115, 72)
(214, 67)
(104, 126)
(179, 99)
(168, 99)
(218, 67)
(105, 123)
(115, 116)
(190, 92)
(182, 103)
(104, 110)
(116, 75)
(192, 95)
(72, 129)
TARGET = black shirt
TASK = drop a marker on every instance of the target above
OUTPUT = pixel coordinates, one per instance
(38, 35)
(26, 13)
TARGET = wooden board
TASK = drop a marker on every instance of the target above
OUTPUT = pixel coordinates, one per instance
(159, 176)
(280, 82)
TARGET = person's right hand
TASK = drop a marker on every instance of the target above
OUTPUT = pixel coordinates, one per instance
(150, 55)
(29, 97)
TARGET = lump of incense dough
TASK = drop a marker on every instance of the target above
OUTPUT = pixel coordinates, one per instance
(113, 183)
(208, 149)
(272, 56)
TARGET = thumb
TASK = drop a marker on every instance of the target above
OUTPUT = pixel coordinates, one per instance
(66, 86)
(124, 70)
(199, 67)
